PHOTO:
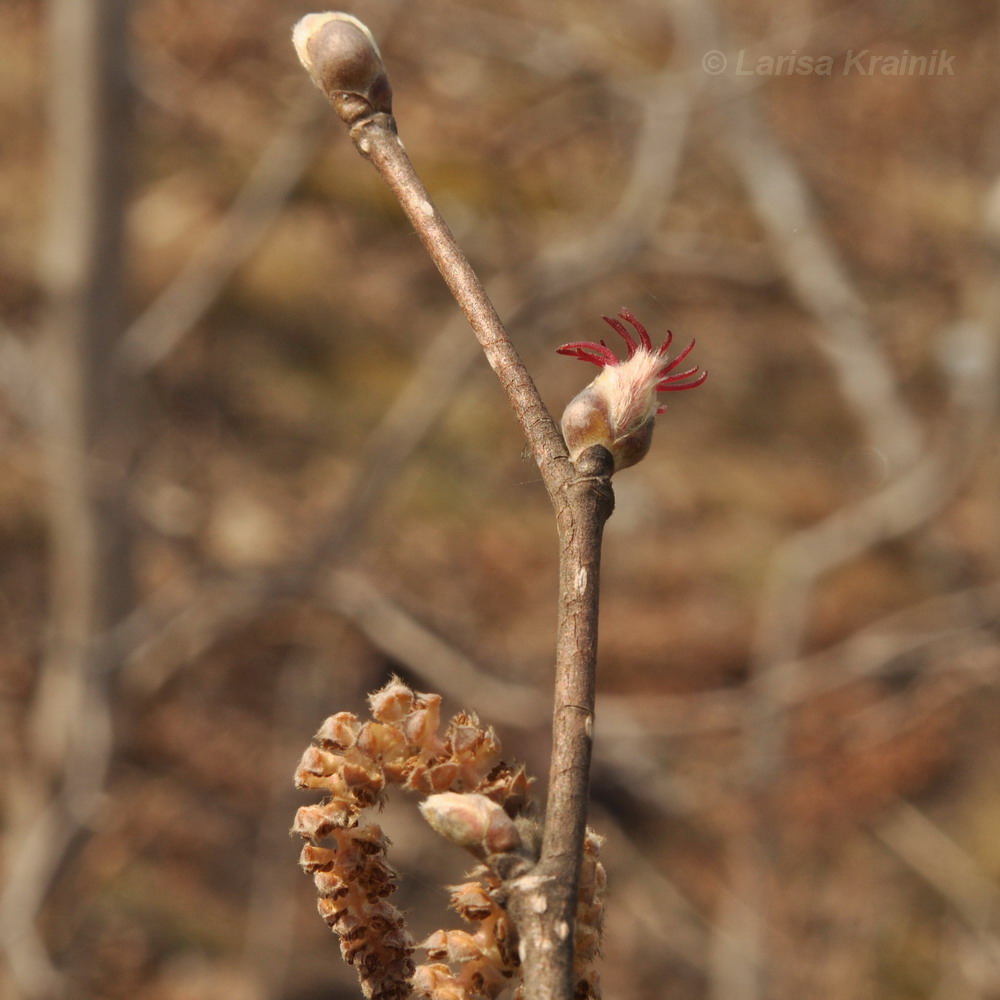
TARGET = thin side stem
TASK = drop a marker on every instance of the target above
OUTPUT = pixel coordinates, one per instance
(377, 140)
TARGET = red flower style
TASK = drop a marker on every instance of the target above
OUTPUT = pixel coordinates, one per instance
(616, 410)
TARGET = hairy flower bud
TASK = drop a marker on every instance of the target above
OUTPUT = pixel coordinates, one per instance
(617, 409)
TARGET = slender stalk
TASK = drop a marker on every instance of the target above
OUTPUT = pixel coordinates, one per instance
(543, 903)
(376, 139)
(343, 60)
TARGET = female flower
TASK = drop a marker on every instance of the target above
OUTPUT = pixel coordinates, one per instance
(617, 409)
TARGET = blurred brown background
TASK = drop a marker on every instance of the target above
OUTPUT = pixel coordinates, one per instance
(252, 463)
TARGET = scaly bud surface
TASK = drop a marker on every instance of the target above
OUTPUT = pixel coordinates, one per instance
(340, 54)
(471, 821)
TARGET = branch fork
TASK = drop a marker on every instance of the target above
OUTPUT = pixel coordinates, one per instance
(344, 61)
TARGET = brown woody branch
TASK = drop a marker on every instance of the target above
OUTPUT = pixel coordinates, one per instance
(343, 60)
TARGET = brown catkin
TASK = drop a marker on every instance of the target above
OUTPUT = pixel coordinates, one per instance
(353, 762)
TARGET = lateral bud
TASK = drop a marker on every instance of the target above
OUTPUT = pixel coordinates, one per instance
(342, 58)
(472, 821)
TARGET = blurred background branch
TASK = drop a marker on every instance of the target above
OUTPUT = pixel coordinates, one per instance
(87, 439)
(237, 491)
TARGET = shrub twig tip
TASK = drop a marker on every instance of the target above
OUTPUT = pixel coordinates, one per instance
(343, 59)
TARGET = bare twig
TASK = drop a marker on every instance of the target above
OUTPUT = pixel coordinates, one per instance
(163, 642)
(344, 61)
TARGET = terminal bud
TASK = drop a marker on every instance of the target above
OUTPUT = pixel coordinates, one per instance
(341, 56)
